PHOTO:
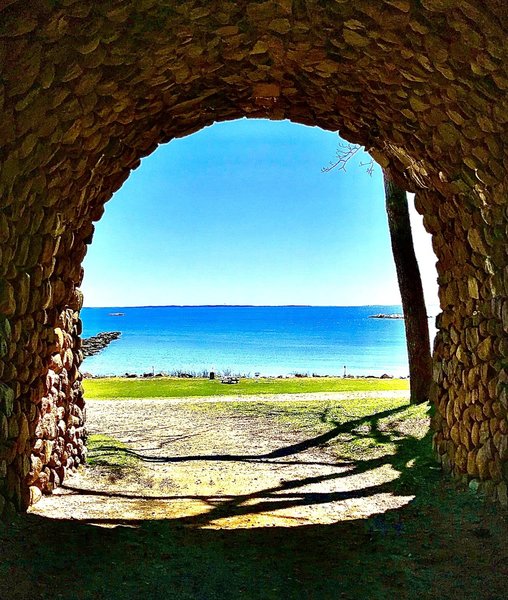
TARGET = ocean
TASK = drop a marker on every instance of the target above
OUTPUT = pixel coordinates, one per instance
(269, 340)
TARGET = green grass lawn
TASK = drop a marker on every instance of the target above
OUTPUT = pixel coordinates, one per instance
(107, 451)
(169, 387)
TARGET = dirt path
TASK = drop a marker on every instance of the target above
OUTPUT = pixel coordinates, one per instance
(228, 502)
(224, 470)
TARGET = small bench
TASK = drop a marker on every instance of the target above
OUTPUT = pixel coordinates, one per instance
(230, 380)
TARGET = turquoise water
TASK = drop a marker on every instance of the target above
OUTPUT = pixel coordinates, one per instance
(248, 340)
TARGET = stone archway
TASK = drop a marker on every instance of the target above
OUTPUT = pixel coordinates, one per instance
(89, 88)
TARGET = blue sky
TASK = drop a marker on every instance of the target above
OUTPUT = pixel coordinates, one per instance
(240, 213)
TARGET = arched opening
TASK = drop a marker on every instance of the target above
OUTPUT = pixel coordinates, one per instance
(89, 90)
(241, 214)
(300, 229)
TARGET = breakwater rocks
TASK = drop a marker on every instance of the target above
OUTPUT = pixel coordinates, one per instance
(93, 345)
(384, 316)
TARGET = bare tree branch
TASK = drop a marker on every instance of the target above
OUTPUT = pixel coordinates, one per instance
(345, 152)
(369, 166)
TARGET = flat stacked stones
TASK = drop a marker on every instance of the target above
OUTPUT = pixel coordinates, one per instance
(89, 88)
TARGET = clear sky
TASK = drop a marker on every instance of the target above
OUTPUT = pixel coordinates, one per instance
(240, 213)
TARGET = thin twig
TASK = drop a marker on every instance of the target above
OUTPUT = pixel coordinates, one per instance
(345, 152)
(369, 166)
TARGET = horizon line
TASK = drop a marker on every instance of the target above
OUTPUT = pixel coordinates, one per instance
(245, 306)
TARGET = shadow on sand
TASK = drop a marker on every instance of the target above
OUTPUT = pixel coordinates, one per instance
(442, 544)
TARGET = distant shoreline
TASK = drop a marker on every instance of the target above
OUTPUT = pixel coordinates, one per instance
(242, 306)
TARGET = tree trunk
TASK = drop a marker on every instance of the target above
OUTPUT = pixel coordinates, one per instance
(411, 291)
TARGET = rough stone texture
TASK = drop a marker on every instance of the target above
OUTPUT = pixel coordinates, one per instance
(88, 88)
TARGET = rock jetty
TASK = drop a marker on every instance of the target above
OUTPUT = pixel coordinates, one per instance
(93, 345)
(383, 316)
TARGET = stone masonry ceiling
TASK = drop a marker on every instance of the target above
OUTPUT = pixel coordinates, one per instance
(87, 88)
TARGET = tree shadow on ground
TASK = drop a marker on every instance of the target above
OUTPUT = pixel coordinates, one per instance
(318, 441)
(442, 544)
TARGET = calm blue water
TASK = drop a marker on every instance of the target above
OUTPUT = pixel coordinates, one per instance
(269, 340)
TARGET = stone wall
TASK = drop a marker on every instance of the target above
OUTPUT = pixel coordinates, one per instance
(88, 88)
(471, 348)
(59, 436)
(43, 435)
